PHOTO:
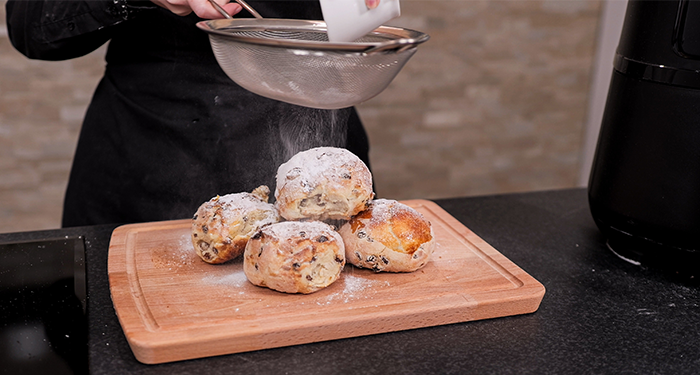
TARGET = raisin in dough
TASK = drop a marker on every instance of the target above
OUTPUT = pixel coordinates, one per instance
(388, 236)
(323, 183)
(222, 226)
(294, 257)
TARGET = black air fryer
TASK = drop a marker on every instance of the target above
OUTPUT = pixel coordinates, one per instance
(644, 188)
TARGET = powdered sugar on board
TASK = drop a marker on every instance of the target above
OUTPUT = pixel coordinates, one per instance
(235, 279)
(228, 281)
(175, 256)
(355, 287)
(231, 281)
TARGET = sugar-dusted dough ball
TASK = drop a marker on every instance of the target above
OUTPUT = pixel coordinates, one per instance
(222, 226)
(388, 236)
(324, 183)
(294, 257)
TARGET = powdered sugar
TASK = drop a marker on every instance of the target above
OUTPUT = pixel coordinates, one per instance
(185, 249)
(176, 255)
(354, 284)
(295, 229)
(308, 168)
(383, 210)
(235, 279)
(355, 288)
(239, 204)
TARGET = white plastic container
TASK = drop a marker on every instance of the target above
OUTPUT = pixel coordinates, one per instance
(348, 20)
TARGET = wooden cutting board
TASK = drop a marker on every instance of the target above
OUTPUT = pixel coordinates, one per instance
(173, 306)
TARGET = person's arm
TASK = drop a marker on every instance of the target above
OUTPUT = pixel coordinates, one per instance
(61, 30)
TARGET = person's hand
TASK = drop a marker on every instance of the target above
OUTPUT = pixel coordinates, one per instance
(201, 8)
(371, 4)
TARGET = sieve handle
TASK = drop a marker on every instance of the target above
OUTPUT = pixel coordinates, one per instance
(242, 3)
(249, 8)
(220, 9)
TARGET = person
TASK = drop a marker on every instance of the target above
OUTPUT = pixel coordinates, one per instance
(166, 129)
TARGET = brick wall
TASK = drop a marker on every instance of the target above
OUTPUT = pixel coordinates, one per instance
(493, 103)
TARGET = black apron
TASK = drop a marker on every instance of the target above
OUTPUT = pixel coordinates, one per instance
(167, 130)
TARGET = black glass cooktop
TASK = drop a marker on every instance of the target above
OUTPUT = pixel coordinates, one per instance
(43, 324)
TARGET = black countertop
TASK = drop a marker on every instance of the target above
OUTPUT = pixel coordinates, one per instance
(600, 315)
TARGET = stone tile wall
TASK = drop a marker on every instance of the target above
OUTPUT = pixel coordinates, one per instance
(493, 103)
(41, 109)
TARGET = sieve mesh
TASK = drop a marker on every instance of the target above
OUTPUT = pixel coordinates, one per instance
(283, 34)
(307, 35)
(269, 62)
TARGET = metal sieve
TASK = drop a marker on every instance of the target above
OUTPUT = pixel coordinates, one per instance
(293, 61)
